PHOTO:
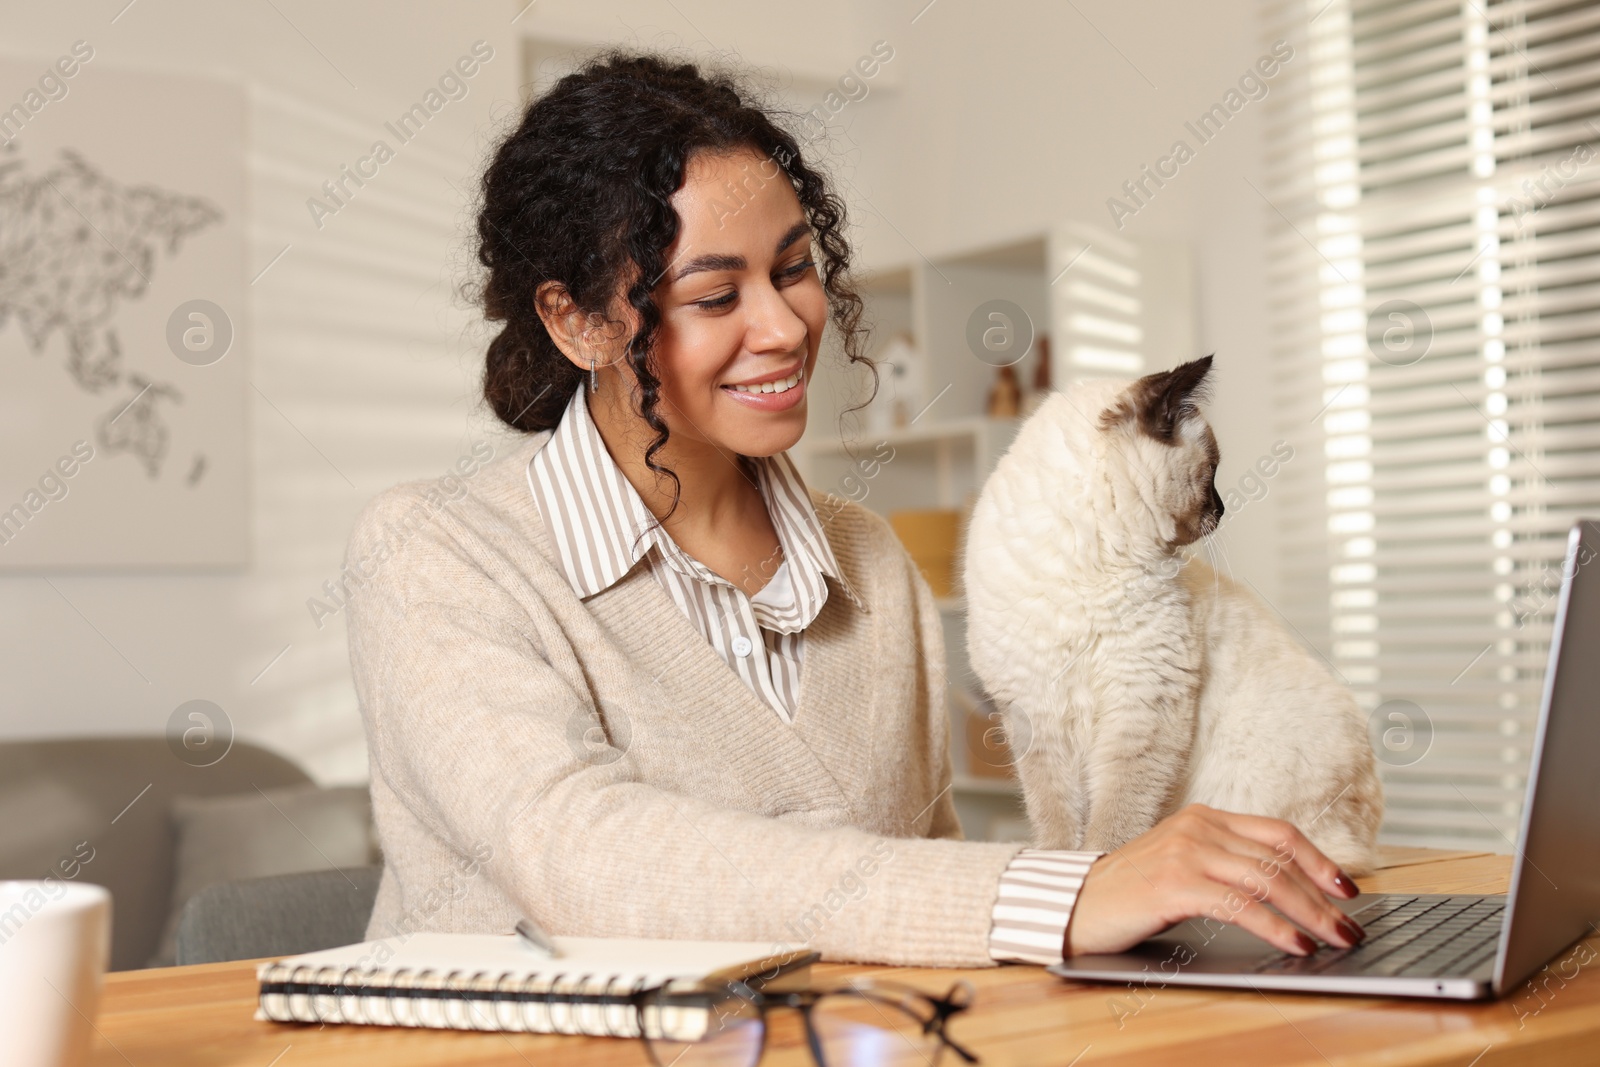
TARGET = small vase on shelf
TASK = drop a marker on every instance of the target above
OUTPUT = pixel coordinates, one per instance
(1005, 399)
(1041, 376)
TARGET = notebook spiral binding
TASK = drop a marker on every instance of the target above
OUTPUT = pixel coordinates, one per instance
(453, 1000)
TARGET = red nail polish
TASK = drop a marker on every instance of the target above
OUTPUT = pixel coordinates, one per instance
(1345, 885)
(1304, 943)
(1351, 930)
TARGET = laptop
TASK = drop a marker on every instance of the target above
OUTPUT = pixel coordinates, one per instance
(1446, 946)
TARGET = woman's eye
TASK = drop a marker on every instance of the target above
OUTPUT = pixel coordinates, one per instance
(716, 302)
(796, 270)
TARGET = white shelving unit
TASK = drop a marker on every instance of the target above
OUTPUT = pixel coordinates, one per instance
(949, 447)
(949, 458)
(1089, 291)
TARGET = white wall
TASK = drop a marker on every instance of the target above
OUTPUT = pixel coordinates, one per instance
(353, 335)
(992, 121)
(810, 43)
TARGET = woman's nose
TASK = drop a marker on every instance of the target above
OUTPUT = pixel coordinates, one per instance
(773, 324)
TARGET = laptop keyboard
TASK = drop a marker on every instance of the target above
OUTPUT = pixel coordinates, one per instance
(1422, 937)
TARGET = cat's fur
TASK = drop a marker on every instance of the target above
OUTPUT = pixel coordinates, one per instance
(1131, 682)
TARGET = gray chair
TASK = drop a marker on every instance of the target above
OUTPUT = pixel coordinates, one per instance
(279, 916)
(113, 795)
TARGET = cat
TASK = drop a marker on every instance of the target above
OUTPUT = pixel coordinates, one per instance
(1130, 681)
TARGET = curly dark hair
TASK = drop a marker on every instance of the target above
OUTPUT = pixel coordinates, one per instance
(580, 193)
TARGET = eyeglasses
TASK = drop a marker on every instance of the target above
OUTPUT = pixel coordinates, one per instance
(732, 1024)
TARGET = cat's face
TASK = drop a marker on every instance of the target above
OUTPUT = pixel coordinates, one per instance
(1167, 453)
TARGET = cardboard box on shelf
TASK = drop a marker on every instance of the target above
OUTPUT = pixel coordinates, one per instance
(932, 537)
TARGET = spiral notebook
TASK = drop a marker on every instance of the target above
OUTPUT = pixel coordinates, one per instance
(494, 982)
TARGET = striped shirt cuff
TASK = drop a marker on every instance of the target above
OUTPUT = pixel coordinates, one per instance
(1034, 905)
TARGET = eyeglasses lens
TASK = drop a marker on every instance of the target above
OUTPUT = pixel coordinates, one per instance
(861, 1030)
(702, 1032)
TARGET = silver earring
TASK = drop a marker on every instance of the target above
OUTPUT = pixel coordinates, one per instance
(594, 383)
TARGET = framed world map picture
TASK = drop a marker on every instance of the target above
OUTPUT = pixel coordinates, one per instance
(123, 347)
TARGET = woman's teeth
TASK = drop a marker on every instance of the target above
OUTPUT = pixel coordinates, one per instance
(782, 385)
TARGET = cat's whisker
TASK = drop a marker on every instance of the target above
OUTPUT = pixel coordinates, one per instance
(1219, 551)
(1225, 554)
(1216, 567)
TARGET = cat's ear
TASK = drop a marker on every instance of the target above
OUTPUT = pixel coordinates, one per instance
(1158, 402)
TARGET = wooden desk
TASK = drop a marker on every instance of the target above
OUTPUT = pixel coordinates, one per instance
(189, 1016)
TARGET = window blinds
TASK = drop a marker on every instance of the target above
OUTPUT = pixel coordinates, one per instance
(1433, 189)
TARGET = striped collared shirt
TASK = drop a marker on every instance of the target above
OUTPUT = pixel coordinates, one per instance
(602, 528)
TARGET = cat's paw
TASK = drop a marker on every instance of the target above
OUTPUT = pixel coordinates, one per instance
(1106, 837)
(1355, 858)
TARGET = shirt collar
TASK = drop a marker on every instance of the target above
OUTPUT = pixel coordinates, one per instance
(601, 527)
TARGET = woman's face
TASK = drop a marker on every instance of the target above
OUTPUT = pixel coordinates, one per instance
(742, 308)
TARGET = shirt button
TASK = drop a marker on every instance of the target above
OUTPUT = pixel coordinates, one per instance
(742, 646)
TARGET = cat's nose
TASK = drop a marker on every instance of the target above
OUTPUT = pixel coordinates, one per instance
(1216, 502)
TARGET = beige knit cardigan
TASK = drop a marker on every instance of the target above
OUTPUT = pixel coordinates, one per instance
(594, 764)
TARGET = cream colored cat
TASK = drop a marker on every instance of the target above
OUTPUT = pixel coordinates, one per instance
(1135, 682)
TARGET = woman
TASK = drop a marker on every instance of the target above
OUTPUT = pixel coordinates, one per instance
(636, 681)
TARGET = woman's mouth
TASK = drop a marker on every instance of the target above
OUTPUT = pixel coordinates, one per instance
(777, 395)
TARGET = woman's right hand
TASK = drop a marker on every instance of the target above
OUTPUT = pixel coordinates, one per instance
(1209, 864)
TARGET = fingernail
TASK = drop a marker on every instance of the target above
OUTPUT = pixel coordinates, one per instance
(1351, 931)
(1304, 944)
(1345, 885)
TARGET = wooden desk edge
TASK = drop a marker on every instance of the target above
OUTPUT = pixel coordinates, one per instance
(1029, 1012)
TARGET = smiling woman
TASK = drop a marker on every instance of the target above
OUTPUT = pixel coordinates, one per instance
(676, 697)
(741, 310)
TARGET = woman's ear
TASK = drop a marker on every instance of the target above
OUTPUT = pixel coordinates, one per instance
(563, 321)
(581, 337)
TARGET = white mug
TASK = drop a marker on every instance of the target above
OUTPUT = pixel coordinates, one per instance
(55, 944)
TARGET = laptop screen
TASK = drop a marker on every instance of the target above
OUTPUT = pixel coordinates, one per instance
(1555, 880)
